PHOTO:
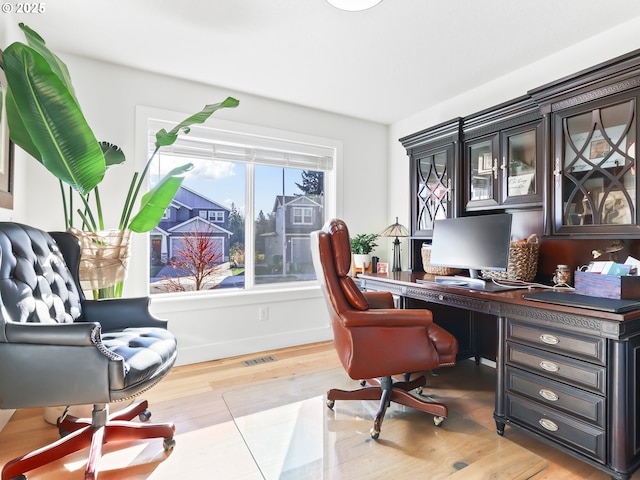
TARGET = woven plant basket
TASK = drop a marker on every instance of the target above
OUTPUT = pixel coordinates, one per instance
(523, 261)
(105, 258)
(428, 268)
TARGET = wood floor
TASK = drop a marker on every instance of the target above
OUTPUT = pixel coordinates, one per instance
(192, 397)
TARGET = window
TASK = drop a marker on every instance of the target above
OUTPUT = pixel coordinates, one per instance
(302, 215)
(246, 209)
(216, 216)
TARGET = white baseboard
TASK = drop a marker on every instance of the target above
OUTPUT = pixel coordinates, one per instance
(246, 346)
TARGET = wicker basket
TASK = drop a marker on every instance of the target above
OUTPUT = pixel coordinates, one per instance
(523, 261)
(428, 268)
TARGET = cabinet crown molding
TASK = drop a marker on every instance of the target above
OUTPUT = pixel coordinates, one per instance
(608, 78)
(442, 134)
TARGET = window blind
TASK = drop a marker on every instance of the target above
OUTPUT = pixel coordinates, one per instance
(215, 144)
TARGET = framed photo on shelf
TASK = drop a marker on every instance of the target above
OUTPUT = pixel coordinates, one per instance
(6, 147)
(598, 148)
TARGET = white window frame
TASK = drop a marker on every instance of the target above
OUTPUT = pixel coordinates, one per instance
(333, 188)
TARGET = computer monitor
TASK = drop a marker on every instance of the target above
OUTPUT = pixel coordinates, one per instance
(476, 243)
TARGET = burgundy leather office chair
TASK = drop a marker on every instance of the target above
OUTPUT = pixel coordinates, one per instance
(374, 340)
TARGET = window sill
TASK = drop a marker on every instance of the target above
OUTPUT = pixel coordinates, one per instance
(258, 295)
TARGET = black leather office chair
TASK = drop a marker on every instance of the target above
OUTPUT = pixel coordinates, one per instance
(59, 349)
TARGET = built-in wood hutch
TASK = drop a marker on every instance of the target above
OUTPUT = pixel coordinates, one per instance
(562, 159)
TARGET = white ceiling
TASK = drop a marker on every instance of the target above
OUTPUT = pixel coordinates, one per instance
(384, 64)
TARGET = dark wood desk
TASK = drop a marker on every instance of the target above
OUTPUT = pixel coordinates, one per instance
(565, 375)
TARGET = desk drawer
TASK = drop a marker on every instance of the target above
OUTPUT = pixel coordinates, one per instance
(584, 438)
(556, 395)
(574, 344)
(561, 368)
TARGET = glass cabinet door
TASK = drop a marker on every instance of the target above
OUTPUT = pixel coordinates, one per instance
(594, 171)
(520, 168)
(433, 190)
(482, 173)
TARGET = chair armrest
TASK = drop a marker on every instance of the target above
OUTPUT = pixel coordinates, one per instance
(120, 313)
(387, 317)
(74, 334)
(379, 299)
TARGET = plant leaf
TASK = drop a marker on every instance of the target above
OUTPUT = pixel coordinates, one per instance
(68, 148)
(17, 131)
(113, 155)
(164, 138)
(156, 200)
(58, 67)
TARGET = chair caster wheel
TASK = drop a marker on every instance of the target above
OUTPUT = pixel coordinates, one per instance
(331, 403)
(437, 421)
(145, 415)
(375, 434)
(168, 444)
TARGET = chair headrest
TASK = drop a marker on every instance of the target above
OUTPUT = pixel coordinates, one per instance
(341, 244)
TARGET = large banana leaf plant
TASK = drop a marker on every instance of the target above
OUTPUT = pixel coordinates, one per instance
(45, 119)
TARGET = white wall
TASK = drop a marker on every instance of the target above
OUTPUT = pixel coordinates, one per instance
(210, 327)
(7, 32)
(610, 44)
(213, 326)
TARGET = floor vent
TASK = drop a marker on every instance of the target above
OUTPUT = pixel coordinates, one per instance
(259, 360)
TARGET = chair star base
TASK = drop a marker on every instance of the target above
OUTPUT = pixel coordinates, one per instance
(81, 433)
(387, 391)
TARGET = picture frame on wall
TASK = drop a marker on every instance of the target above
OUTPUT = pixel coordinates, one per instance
(6, 147)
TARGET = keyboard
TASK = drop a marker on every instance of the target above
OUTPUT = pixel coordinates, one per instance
(584, 301)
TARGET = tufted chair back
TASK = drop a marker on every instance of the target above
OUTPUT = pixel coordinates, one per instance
(36, 286)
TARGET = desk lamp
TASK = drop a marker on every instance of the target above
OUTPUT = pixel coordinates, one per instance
(395, 230)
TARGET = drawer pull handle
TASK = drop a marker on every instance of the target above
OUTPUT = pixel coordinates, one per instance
(548, 425)
(549, 366)
(548, 395)
(549, 339)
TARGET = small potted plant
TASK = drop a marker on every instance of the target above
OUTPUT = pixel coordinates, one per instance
(361, 247)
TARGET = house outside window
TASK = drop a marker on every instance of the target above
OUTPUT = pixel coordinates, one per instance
(243, 216)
